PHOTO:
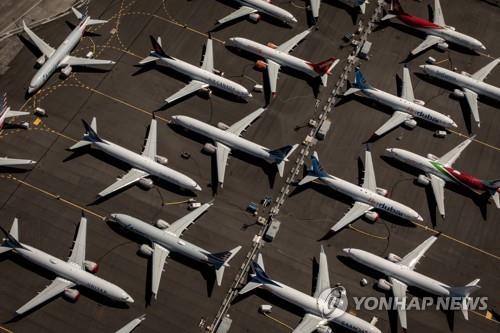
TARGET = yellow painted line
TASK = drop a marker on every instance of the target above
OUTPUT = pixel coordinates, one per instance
(441, 61)
(279, 321)
(366, 233)
(488, 316)
(478, 141)
(176, 202)
(6, 330)
(37, 121)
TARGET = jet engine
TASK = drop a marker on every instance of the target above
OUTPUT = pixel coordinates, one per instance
(66, 71)
(72, 294)
(272, 45)
(324, 329)
(162, 224)
(146, 183)
(90, 266)
(209, 148)
(41, 60)
(145, 250)
(254, 17)
(218, 72)
(371, 216)
(423, 180)
(410, 123)
(161, 159)
(465, 73)
(222, 126)
(260, 65)
(419, 102)
(383, 284)
(206, 92)
(432, 157)
(442, 46)
(457, 93)
(381, 191)
(393, 257)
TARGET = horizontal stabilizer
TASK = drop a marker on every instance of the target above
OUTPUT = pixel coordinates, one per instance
(351, 91)
(307, 179)
(281, 156)
(222, 260)
(388, 17)
(148, 59)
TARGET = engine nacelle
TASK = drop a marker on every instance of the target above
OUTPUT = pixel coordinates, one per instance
(206, 92)
(146, 250)
(146, 183)
(324, 329)
(222, 126)
(442, 46)
(90, 266)
(161, 159)
(410, 123)
(209, 148)
(218, 72)
(66, 71)
(371, 216)
(419, 102)
(383, 284)
(72, 294)
(260, 65)
(393, 257)
(41, 60)
(450, 27)
(465, 73)
(162, 224)
(381, 191)
(423, 180)
(272, 45)
(458, 93)
(254, 17)
(432, 157)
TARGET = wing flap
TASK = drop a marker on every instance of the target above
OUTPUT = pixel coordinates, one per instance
(369, 181)
(273, 69)
(45, 48)
(411, 259)
(290, 44)
(428, 42)
(77, 255)
(309, 324)
(437, 185)
(150, 148)
(222, 155)
(397, 118)
(399, 292)
(485, 71)
(78, 61)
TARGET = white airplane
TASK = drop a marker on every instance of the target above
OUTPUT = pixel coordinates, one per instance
(6, 112)
(406, 107)
(439, 170)
(229, 137)
(201, 77)
(278, 55)
(361, 4)
(252, 8)
(53, 59)
(438, 33)
(165, 238)
(144, 165)
(75, 272)
(366, 197)
(327, 305)
(401, 274)
(471, 85)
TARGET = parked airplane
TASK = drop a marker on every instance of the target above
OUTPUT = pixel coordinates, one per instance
(361, 4)
(228, 137)
(438, 33)
(53, 59)
(366, 197)
(278, 55)
(406, 107)
(471, 85)
(6, 112)
(75, 272)
(201, 77)
(401, 274)
(166, 238)
(144, 165)
(326, 306)
(252, 8)
(14, 162)
(440, 170)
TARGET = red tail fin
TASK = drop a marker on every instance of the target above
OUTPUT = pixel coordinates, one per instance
(396, 7)
(323, 67)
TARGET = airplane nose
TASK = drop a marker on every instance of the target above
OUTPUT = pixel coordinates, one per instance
(347, 251)
(420, 218)
(390, 151)
(174, 119)
(129, 299)
(197, 187)
(293, 19)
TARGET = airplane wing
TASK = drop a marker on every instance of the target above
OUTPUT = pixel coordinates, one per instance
(438, 14)
(399, 291)
(160, 254)
(12, 162)
(369, 181)
(397, 118)
(411, 259)
(407, 92)
(485, 71)
(12, 113)
(77, 61)
(273, 69)
(428, 42)
(78, 252)
(222, 155)
(57, 286)
(315, 4)
(471, 98)
(309, 324)
(130, 326)
(241, 125)
(208, 57)
(323, 281)
(450, 157)
(151, 142)
(356, 211)
(192, 87)
(178, 227)
(438, 190)
(45, 48)
(242, 11)
(288, 46)
(134, 175)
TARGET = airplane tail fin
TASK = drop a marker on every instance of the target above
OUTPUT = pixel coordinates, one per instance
(11, 238)
(156, 53)
(90, 135)
(314, 172)
(281, 155)
(221, 260)
(258, 278)
(464, 292)
(359, 80)
(494, 190)
(85, 14)
(324, 68)
(395, 9)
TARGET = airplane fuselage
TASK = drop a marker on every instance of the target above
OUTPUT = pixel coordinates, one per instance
(268, 8)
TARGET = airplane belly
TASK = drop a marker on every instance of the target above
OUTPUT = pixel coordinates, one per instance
(293, 296)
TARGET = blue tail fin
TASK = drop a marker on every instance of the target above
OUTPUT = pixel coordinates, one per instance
(359, 80)
(281, 153)
(316, 168)
(91, 131)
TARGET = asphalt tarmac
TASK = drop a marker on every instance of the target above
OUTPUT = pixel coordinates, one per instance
(48, 200)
